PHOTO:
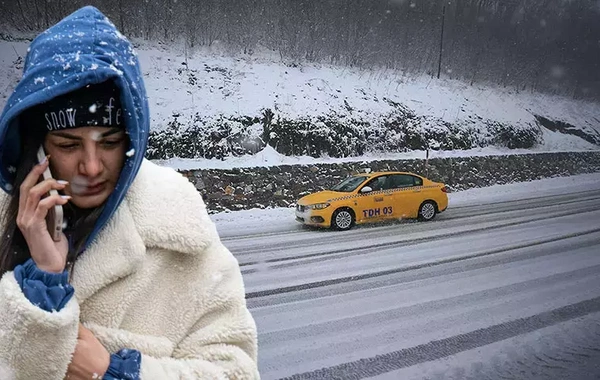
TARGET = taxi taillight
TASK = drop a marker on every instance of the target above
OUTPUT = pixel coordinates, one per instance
(445, 189)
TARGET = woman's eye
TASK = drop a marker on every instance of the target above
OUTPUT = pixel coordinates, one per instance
(67, 146)
(111, 143)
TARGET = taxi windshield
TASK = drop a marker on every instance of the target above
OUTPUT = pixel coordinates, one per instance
(349, 184)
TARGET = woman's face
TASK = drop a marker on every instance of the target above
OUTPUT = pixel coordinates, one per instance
(90, 158)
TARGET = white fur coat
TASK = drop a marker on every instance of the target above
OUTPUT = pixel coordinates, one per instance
(156, 279)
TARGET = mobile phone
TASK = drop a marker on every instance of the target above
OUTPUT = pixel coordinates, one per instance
(54, 219)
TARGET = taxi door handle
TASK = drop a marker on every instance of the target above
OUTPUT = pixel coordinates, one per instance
(416, 191)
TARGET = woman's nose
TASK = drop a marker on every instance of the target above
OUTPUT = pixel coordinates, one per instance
(91, 165)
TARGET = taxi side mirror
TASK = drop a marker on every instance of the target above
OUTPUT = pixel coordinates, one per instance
(366, 189)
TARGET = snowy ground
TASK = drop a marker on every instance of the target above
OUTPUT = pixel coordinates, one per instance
(270, 157)
(214, 84)
(505, 284)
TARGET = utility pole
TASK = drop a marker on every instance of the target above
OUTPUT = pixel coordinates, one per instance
(427, 161)
(441, 42)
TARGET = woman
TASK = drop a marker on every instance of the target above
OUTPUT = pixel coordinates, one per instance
(139, 285)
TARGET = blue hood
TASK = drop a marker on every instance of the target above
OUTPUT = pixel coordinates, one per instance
(84, 48)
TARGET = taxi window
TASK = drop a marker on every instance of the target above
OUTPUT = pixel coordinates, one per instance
(349, 184)
(404, 180)
(379, 183)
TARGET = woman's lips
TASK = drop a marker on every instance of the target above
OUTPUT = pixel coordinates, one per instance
(89, 190)
(94, 189)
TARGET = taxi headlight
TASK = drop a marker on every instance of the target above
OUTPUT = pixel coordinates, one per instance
(319, 206)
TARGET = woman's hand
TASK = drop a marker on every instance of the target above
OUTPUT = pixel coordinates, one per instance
(90, 360)
(48, 255)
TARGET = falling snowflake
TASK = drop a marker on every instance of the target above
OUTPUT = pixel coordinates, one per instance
(39, 80)
(119, 72)
(96, 136)
(93, 108)
(130, 153)
(557, 72)
(120, 36)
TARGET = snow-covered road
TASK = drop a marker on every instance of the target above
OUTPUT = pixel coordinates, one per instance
(505, 284)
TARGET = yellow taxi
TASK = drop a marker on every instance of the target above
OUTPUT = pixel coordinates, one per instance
(372, 197)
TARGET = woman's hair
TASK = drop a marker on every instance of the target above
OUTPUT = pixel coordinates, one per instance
(14, 250)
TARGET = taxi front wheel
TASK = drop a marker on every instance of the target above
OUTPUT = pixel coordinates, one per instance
(427, 211)
(342, 219)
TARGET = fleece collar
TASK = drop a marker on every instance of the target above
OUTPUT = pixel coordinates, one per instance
(168, 211)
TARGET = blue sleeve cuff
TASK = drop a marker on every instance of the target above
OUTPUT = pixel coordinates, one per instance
(124, 365)
(48, 291)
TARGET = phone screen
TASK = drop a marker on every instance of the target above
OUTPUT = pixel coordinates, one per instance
(54, 219)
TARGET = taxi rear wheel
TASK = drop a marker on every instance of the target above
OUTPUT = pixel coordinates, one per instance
(427, 211)
(342, 219)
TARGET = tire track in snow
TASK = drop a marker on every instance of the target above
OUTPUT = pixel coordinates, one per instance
(566, 351)
(340, 253)
(407, 268)
(459, 267)
(392, 314)
(438, 349)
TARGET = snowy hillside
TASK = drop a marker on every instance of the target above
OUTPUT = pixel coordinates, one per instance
(210, 86)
